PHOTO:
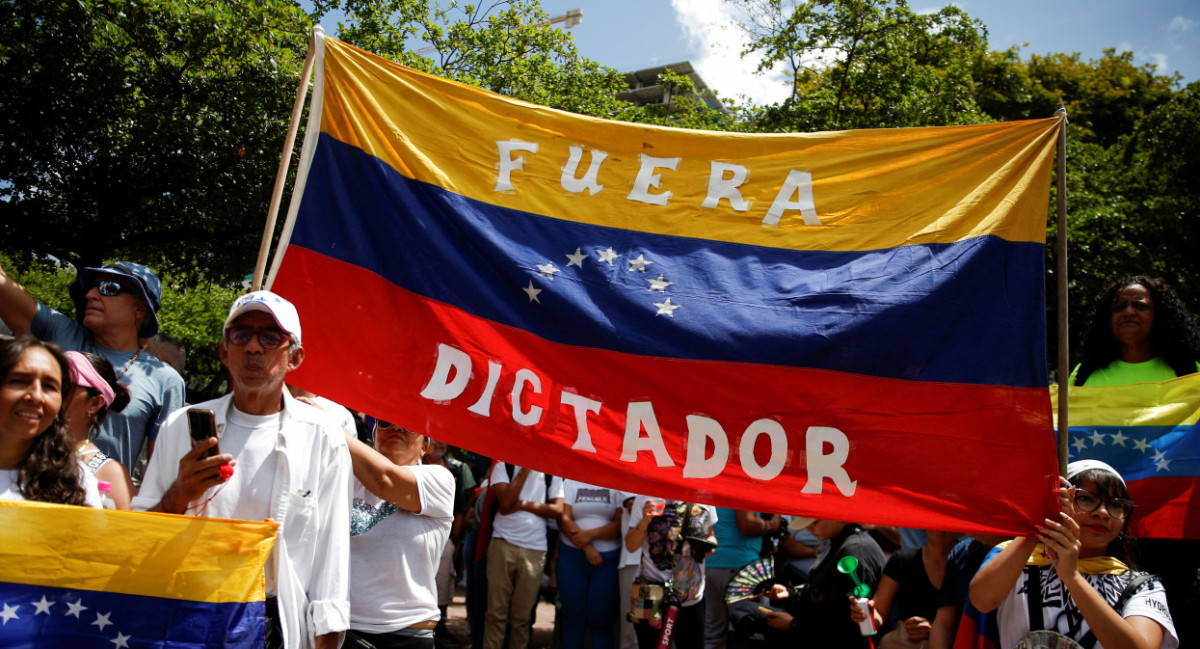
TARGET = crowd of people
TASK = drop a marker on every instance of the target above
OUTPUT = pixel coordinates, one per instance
(376, 519)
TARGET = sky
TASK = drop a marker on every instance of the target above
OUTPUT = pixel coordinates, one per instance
(633, 34)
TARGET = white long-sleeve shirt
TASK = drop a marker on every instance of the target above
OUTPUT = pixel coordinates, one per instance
(304, 485)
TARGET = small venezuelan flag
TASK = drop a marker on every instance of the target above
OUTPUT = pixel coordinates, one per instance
(81, 577)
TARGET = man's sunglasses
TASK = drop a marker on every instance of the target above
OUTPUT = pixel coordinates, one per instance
(110, 288)
(1086, 501)
(266, 339)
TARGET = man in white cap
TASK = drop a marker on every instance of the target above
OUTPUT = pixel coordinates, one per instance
(280, 459)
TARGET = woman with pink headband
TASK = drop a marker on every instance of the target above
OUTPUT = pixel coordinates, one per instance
(97, 394)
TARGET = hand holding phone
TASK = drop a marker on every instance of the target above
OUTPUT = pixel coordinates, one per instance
(202, 424)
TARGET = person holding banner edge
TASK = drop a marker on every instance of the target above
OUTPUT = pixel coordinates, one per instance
(1069, 579)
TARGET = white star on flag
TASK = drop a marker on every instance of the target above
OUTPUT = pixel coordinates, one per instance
(666, 308)
(547, 270)
(532, 292)
(607, 256)
(76, 608)
(1162, 465)
(1158, 455)
(1080, 444)
(639, 264)
(1097, 438)
(9, 613)
(1119, 439)
(659, 284)
(102, 620)
(1140, 445)
(121, 641)
(576, 259)
(42, 606)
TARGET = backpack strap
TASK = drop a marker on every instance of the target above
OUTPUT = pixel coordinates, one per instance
(1127, 593)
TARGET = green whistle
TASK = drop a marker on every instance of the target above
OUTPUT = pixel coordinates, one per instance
(847, 566)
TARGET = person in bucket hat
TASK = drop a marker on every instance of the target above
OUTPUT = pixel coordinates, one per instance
(118, 307)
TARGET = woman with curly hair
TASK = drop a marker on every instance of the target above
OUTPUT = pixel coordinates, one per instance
(1140, 332)
(37, 461)
(96, 394)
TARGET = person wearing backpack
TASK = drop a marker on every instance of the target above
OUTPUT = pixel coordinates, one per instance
(516, 554)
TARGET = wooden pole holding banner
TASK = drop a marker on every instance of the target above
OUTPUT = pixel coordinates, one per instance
(260, 265)
(1064, 357)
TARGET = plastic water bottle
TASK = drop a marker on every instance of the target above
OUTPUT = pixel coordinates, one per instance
(106, 498)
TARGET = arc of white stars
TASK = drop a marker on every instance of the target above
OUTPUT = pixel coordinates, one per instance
(547, 270)
(1097, 438)
(658, 284)
(121, 641)
(577, 258)
(9, 613)
(42, 606)
(1140, 445)
(102, 620)
(639, 264)
(1119, 439)
(666, 308)
(607, 256)
(532, 292)
(76, 608)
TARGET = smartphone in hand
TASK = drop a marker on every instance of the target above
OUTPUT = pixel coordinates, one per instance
(202, 424)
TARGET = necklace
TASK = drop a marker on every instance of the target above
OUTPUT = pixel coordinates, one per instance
(130, 363)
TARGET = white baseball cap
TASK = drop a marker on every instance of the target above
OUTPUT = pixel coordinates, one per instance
(281, 310)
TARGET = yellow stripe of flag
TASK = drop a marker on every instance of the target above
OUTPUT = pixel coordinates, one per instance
(1170, 403)
(869, 189)
(134, 553)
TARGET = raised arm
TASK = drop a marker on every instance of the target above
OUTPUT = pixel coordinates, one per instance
(394, 483)
(997, 577)
(17, 306)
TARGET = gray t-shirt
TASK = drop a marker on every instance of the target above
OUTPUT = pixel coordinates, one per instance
(155, 388)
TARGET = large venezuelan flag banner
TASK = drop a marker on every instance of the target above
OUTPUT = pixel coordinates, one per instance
(1149, 433)
(844, 325)
(81, 577)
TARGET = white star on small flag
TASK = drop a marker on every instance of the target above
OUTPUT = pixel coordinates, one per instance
(607, 256)
(9, 613)
(547, 270)
(1162, 465)
(1140, 445)
(659, 284)
(102, 620)
(76, 608)
(1119, 439)
(639, 264)
(1080, 444)
(1097, 438)
(576, 259)
(121, 641)
(1158, 455)
(666, 308)
(42, 606)
(532, 292)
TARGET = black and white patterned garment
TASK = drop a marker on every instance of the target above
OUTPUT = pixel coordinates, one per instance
(1060, 613)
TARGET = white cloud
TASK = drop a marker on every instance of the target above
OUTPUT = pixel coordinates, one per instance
(715, 42)
(1181, 24)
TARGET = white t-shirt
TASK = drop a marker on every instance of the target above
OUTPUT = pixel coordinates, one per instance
(250, 439)
(628, 558)
(9, 491)
(592, 507)
(1059, 612)
(521, 528)
(394, 556)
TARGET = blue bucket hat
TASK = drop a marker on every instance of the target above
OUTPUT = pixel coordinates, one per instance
(148, 284)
